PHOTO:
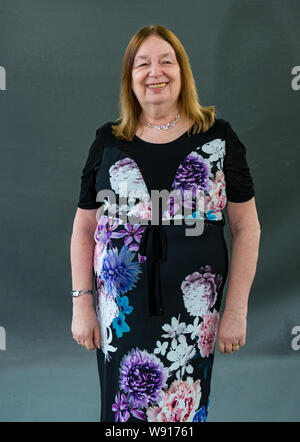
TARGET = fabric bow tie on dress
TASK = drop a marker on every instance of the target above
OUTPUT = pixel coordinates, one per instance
(153, 245)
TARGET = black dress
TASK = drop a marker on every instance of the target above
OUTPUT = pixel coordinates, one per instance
(159, 289)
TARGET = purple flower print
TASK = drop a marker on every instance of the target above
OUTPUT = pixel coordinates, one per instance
(174, 202)
(142, 376)
(139, 414)
(142, 258)
(120, 407)
(105, 228)
(132, 235)
(193, 174)
(200, 290)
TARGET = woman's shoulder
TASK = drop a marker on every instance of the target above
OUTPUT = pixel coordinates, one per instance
(104, 129)
(216, 130)
(219, 124)
(105, 133)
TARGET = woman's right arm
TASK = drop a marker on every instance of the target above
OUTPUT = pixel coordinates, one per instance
(85, 326)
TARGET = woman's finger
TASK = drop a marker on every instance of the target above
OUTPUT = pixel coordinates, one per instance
(88, 343)
(97, 336)
(228, 347)
(242, 341)
(235, 347)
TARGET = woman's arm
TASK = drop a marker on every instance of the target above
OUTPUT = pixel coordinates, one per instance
(82, 250)
(85, 326)
(245, 230)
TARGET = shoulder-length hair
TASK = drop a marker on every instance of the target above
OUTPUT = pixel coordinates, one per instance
(201, 117)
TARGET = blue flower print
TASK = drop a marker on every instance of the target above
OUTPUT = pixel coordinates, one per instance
(119, 273)
(123, 304)
(195, 215)
(120, 325)
(200, 415)
(210, 215)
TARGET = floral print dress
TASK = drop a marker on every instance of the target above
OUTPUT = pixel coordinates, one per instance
(159, 290)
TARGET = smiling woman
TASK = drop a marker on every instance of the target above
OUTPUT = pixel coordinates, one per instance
(159, 288)
(157, 85)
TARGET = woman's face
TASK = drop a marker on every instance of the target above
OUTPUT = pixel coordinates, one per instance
(155, 62)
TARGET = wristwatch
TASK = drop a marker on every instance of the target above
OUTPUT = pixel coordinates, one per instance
(81, 292)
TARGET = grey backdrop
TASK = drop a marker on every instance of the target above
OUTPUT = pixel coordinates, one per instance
(63, 66)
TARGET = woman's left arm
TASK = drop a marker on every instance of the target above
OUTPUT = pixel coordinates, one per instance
(245, 231)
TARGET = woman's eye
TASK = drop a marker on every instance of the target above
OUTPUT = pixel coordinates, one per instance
(144, 64)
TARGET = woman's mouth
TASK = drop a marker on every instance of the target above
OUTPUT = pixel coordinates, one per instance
(157, 86)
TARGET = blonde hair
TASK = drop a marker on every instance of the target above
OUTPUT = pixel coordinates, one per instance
(200, 117)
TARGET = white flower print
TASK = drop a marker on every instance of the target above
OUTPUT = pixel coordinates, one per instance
(199, 291)
(196, 302)
(220, 164)
(105, 343)
(168, 216)
(216, 149)
(180, 355)
(99, 253)
(106, 309)
(175, 329)
(161, 348)
(125, 176)
(194, 328)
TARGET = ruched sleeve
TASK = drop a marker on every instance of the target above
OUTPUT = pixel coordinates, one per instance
(87, 195)
(239, 182)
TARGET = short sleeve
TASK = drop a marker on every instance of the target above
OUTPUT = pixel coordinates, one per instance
(87, 195)
(239, 182)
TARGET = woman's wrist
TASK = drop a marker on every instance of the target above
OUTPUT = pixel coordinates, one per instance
(236, 310)
(83, 300)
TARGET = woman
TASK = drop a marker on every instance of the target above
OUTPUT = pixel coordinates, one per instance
(158, 289)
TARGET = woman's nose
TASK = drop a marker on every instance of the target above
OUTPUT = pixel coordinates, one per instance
(155, 69)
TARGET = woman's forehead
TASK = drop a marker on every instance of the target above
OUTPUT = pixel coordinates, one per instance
(158, 45)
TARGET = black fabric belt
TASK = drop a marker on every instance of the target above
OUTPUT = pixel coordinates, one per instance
(154, 246)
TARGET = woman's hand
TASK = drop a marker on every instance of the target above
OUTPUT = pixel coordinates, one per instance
(232, 330)
(85, 325)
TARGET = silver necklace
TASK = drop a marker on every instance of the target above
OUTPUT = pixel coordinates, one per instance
(165, 126)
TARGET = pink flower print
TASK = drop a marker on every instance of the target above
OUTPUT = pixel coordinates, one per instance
(207, 333)
(99, 247)
(216, 200)
(179, 403)
(141, 210)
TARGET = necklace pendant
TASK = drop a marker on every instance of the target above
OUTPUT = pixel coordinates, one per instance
(165, 126)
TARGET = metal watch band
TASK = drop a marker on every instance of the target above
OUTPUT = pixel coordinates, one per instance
(81, 292)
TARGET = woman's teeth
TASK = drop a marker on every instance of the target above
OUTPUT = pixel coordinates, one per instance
(155, 86)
